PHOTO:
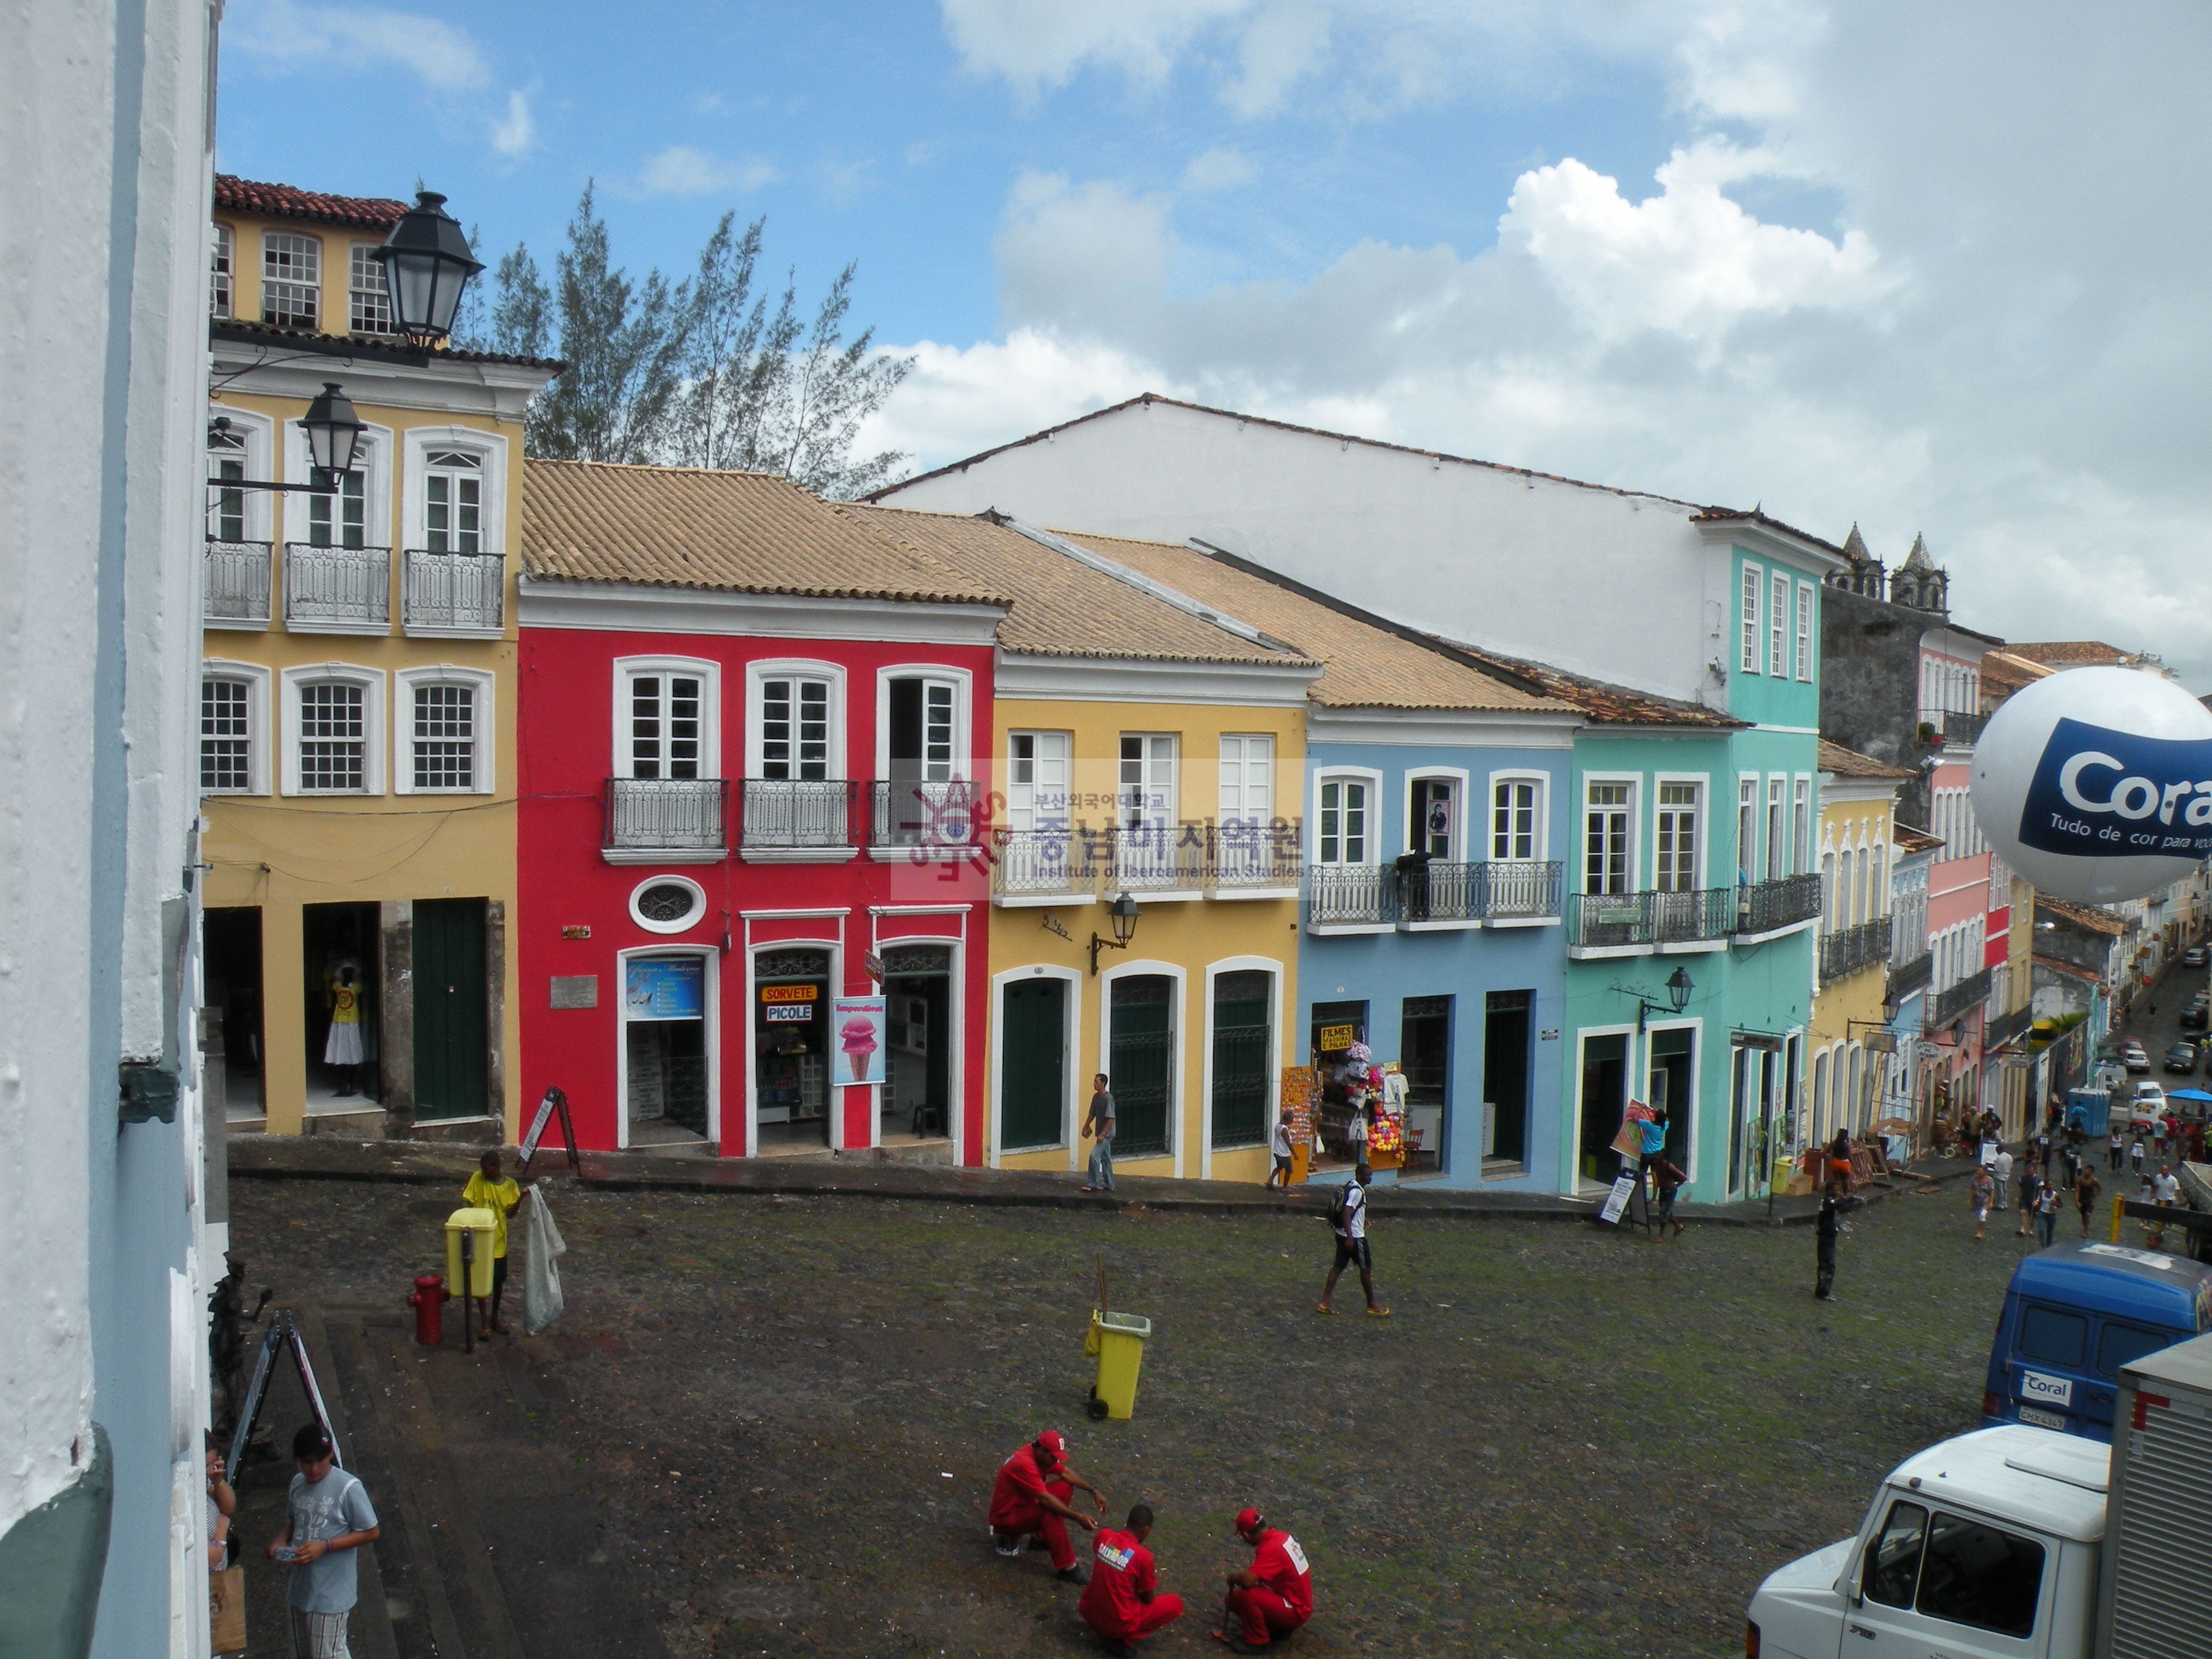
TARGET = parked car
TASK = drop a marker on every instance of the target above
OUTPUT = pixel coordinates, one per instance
(2133, 1056)
(2194, 957)
(2182, 1058)
(2197, 1016)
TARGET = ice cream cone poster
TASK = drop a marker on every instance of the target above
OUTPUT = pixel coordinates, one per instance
(857, 1023)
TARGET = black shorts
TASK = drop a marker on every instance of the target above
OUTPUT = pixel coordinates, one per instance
(1353, 1253)
(498, 1276)
(1282, 1161)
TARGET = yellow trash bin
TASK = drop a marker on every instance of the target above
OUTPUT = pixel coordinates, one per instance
(1118, 1339)
(485, 1225)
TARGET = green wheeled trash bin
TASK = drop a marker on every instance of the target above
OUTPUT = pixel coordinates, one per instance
(1118, 1340)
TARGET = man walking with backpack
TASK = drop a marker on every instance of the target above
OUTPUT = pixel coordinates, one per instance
(1348, 1219)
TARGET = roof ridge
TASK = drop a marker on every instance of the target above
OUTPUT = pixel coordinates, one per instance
(1189, 604)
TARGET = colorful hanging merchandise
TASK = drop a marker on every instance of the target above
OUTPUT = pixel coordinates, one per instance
(1386, 1135)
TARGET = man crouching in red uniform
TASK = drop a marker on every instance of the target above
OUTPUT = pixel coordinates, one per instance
(1030, 1498)
(1276, 1596)
(1121, 1603)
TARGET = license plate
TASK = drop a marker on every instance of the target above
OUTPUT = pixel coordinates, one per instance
(2035, 1417)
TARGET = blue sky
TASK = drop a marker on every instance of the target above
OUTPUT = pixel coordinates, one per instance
(1932, 270)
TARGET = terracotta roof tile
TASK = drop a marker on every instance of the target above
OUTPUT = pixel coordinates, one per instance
(2058, 966)
(2074, 651)
(1605, 704)
(287, 202)
(1367, 665)
(1910, 838)
(1061, 606)
(2082, 915)
(1850, 763)
(745, 533)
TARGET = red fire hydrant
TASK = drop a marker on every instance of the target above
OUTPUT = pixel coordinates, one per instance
(428, 1301)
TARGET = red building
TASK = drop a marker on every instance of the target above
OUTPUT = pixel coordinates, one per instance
(747, 732)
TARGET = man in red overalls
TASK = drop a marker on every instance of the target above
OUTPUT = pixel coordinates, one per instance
(1122, 1603)
(1030, 1498)
(1277, 1594)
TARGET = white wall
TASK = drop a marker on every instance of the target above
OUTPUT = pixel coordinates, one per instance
(1482, 554)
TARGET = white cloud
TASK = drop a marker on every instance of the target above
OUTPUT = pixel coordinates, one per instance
(1036, 44)
(961, 399)
(283, 36)
(516, 134)
(1083, 254)
(1217, 169)
(680, 170)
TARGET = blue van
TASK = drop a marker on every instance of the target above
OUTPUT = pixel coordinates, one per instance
(2073, 1316)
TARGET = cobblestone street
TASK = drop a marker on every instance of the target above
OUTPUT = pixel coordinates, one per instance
(786, 1413)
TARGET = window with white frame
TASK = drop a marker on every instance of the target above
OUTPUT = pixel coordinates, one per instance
(1038, 771)
(1514, 827)
(1778, 831)
(1805, 631)
(665, 715)
(922, 735)
(1828, 892)
(1432, 816)
(1346, 804)
(226, 735)
(1801, 825)
(228, 514)
(1248, 779)
(333, 729)
(341, 521)
(453, 502)
(1676, 838)
(1608, 824)
(291, 279)
(1146, 792)
(223, 261)
(791, 717)
(444, 733)
(368, 302)
(1777, 627)
(1748, 660)
(1878, 883)
(1747, 828)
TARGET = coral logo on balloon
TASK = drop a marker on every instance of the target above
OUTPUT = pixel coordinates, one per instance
(2102, 793)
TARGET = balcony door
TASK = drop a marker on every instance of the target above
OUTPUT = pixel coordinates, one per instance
(1435, 817)
(1242, 850)
(922, 800)
(1146, 797)
(665, 725)
(1606, 823)
(794, 728)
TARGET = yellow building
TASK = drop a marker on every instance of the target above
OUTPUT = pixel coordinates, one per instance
(1145, 744)
(1850, 1055)
(357, 752)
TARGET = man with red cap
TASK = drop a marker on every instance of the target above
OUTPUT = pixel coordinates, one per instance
(1276, 1595)
(1030, 1499)
(1122, 1603)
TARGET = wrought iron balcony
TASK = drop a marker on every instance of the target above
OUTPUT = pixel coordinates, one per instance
(1649, 918)
(237, 584)
(1038, 864)
(1494, 889)
(2007, 1027)
(910, 812)
(1766, 905)
(1906, 977)
(1952, 725)
(1158, 858)
(1960, 1000)
(668, 815)
(795, 814)
(1851, 951)
(1351, 894)
(337, 590)
(452, 593)
(1253, 858)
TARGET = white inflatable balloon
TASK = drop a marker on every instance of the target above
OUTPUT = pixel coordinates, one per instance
(2096, 784)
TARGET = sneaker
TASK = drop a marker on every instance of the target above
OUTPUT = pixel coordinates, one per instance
(1009, 1547)
(1073, 1575)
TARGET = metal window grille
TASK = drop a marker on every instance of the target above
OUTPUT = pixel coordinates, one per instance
(223, 254)
(291, 280)
(795, 729)
(445, 737)
(226, 742)
(334, 736)
(452, 507)
(368, 303)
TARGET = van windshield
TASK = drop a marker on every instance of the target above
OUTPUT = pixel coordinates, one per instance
(2122, 1345)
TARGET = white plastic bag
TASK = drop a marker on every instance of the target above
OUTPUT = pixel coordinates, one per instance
(542, 1302)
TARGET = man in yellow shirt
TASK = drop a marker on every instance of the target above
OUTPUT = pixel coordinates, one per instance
(488, 1189)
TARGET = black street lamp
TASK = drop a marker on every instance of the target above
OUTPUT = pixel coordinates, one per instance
(426, 263)
(333, 431)
(1123, 911)
(1678, 988)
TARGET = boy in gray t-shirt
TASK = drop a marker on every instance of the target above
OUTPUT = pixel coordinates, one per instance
(328, 1517)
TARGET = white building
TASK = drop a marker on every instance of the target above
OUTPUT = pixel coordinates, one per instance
(105, 117)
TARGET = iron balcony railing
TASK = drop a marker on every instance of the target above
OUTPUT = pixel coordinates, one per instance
(1959, 1000)
(2006, 1028)
(1350, 894)
(670, 815)
(1953, 724)
(912, 813)
(1651, 918)
(1906, 977)
(1042, 864)
(1157, 858)
(1766, 905)
(790, 814)
(456, 593)
(237, 583)
(1494, 889)
(1851, 951)
(1246, 857)
(346, 589)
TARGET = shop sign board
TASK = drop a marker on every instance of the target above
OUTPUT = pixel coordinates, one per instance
(1335, 1037)
(858, 1023)
(665, 988)
(788, 1004)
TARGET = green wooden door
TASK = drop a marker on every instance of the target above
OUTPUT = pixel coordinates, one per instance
(1241, 1053)
(1140, 1063)
(1032, 1063)
(450, 1044)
